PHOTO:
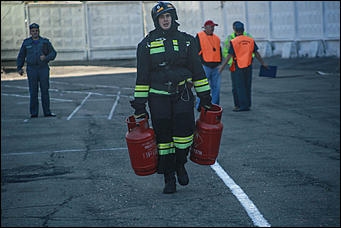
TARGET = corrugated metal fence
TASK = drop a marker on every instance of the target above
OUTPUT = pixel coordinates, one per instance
(112, 29)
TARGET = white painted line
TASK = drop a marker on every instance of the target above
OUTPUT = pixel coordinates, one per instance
(22, 96)
(79, 106)
(77, 92)
(99, 86)
(114, 106)
(250, 208)
(63, 151)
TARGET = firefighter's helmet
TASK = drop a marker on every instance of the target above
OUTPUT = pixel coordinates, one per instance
(163, 7)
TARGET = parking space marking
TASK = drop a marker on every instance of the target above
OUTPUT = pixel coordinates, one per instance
(114, 106)
(99, 86)
(251, 209)
(78, 107)
(17, 95)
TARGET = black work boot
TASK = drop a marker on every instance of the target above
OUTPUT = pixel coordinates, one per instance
(170, 185)
(182, 174)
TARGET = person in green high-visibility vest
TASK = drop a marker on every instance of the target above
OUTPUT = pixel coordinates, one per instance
(230, 63)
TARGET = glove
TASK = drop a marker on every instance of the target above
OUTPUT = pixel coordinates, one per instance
(205, 102)
(140, 109)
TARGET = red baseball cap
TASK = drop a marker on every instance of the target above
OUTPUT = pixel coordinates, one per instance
(210, 22)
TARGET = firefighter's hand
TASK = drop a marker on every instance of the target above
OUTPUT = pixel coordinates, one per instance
(21, 72)
(205, 102)
(42, 57)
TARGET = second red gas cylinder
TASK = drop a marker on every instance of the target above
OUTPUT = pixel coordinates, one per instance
(209, 128)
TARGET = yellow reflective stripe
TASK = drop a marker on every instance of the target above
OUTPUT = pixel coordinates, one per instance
(157, 50)
(183, 139)
(202, 88)
(141, 94)
(183, 142)
(166, 148)
(158, 91)
(175, 42)
(201, 82)
(165, 145)
(167, 151)
(183, 145)
(156, 44)
(142, 87)
(182, 82)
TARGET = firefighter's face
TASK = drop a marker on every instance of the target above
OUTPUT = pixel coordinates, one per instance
(165, 21)
(34, 33)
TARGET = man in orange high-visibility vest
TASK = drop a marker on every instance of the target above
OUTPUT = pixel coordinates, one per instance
(211, 57)
(241, 49)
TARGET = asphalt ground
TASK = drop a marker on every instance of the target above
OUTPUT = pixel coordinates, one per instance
(278, 164)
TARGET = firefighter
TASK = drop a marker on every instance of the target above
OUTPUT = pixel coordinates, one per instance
(168, 65)
(241, 49)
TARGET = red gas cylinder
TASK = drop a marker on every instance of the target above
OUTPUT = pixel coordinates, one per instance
(209, 128)
(141, 146)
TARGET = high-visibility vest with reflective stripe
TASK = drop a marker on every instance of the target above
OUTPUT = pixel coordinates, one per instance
(227, 45)
(243, 48)
(207, 43)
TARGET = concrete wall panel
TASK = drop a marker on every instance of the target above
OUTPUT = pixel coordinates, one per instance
(189, 14)
(258, 19)
(233, 11)
(283, 20)
(12, 29)
(332, 19)
(65, 29)
(114, 25)
(309, 19)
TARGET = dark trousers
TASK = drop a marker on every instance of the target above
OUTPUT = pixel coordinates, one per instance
(243, 80)
(172, 116)
(234, 93)
(39, 77)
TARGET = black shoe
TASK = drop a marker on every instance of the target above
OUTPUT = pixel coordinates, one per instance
(50, 115)
(170, 185)
(182, 175)
(235, 109)
(34, 116)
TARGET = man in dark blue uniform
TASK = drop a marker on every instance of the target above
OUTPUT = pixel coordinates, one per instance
(37, 51)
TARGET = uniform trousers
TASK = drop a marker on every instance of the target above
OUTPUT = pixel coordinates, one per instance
(234, 93)
(38, 76)
(172, 116)
(243, 80)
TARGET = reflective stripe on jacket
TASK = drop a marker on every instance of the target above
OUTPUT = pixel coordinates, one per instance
(243, 47)
(208, 44)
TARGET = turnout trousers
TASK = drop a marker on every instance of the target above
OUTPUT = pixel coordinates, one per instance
(38, 76)
(173, 122)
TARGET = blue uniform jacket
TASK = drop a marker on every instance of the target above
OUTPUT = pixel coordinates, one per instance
(32, 50)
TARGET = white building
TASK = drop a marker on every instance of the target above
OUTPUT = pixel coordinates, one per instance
(92, 30)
